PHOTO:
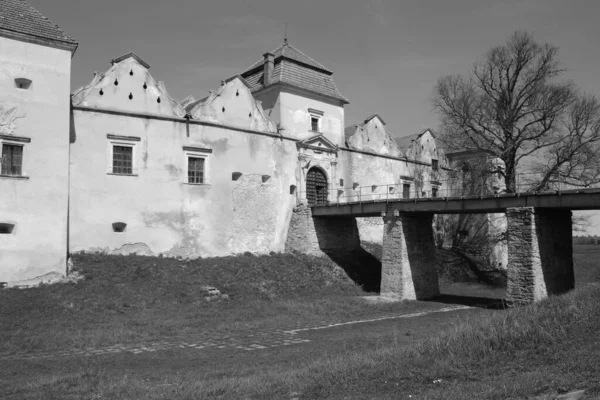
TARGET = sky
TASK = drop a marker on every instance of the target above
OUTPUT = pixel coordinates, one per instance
(386, 55)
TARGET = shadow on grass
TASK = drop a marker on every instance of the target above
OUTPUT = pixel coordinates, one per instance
(472, 301)
(360, 266)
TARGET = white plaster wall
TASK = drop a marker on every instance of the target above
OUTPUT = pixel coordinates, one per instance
(373, 137)
(295, 117)
(37, 206)
(165, 214)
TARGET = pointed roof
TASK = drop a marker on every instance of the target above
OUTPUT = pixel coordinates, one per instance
(294, 68)
(290, 52)
(130, 55)
(19, 17)
(370, 117)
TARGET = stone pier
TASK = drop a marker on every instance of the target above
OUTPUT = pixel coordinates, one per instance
(540, 253)
(409, 263)
(312, 235)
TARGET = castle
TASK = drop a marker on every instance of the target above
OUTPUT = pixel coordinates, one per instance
(119, 166)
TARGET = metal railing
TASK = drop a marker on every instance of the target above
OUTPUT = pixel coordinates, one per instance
(457, 187)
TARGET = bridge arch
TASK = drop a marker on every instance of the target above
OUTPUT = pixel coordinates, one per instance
(316, 186)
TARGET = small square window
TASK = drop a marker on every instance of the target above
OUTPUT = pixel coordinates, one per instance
(122, 160)
(314, 124)
(12, 160)
(434, 165)
(195, 170)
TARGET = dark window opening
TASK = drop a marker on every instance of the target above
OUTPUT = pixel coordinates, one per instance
(12, 160)
(23, 83)
(341, 182)
(122, 160)
(434, 192)
(292, 189)
(6, 229)
(316, 187)
(119, 227)
(406, 190)
(434, 165)
(195, 170)
(314, 124)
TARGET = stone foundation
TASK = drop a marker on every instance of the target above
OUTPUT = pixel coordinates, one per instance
(409, 262)
(311, 235)
(540, 253)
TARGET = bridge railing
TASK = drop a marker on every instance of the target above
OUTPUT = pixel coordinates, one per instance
(454, 187)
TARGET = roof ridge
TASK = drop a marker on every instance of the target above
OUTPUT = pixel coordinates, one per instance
(23, 18)
(261, 61)
(318, 64)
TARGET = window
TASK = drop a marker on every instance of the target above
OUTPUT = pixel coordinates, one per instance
(195, 170)
(122, 155)
(198, 166)
(434, 165)
(406, 190)
(12, 159)
(315, 119)
(122, 162)
(314, 124)
(434, 192)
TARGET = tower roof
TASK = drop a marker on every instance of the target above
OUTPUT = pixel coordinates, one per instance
(294, 68)
(18, 16)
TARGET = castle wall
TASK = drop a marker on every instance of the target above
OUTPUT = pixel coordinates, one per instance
(36, 118)
(165, 214)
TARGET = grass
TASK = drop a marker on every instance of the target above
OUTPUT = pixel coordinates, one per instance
(537, 351)
(128, 299)
(532, 352)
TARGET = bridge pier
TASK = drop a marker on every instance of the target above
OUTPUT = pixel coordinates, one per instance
(540, 253)
(313, 235)
(409, 263)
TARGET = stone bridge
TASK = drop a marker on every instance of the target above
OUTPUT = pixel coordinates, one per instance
(540, 250)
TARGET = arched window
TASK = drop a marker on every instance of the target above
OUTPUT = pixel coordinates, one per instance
(316, 187)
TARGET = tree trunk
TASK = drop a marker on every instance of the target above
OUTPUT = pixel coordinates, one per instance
(510, 178)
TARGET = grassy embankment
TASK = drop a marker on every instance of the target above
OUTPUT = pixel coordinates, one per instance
(128, 299)
(531, 352)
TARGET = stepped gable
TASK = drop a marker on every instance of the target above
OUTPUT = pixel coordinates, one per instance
(294, 68)
(20, 17)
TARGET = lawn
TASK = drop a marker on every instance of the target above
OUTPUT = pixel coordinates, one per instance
(537, 351)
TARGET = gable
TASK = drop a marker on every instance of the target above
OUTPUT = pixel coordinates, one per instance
(128, 86)
(373, 137)
(319, 142)
(232, 104)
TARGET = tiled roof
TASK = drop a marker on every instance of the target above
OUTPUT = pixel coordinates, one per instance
(19, 16)
(406, 141)
(292, 67)
(290, 52)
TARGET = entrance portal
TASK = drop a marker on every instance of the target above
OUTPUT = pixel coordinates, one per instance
(316, 187)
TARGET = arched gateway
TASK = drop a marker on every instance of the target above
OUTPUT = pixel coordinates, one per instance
(316, 186)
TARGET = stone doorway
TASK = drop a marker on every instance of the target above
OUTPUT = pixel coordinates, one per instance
(316, 186)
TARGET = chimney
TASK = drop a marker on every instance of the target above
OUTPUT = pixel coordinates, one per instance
(268, 68)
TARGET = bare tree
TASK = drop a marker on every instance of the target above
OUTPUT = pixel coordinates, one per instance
(512, 107)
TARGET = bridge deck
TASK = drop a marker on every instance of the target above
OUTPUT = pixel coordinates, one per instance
(581, 199)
